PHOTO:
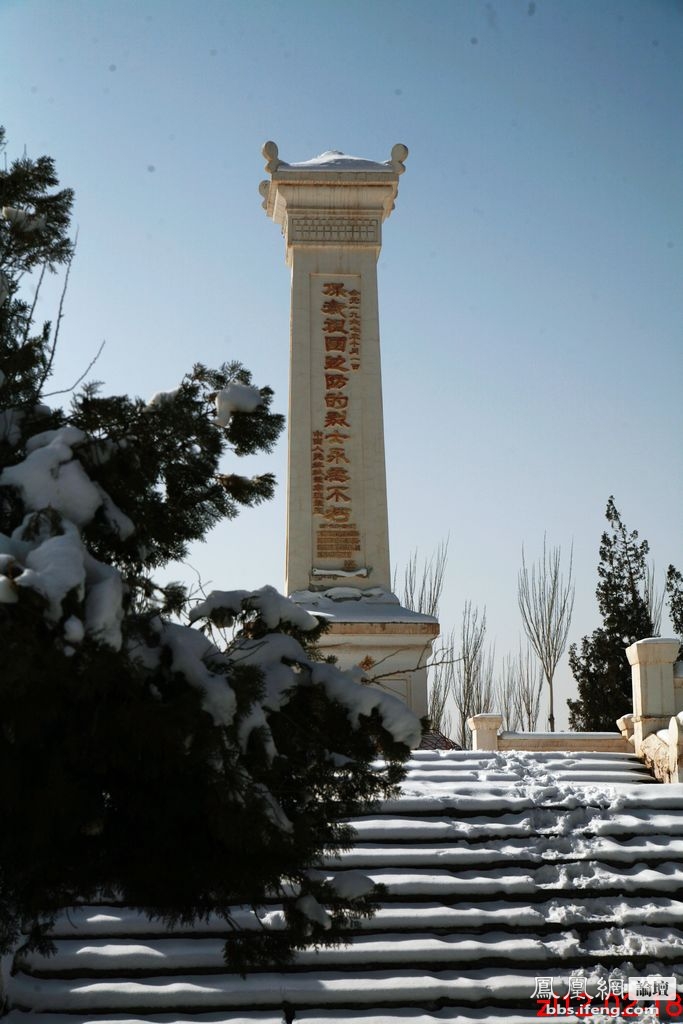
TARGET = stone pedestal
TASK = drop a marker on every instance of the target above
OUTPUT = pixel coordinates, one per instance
(654, 697)
(485, 730)
(370, 628)
(331, 210)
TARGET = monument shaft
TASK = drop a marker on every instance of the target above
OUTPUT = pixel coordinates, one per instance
(337, 511)
(331, 211)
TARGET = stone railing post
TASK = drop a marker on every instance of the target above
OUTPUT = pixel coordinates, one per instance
(652, 675)
(485, 731)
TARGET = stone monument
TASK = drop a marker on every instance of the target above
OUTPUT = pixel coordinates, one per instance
(331, 210)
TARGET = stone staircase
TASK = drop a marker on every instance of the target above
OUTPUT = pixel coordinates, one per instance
(504, 872)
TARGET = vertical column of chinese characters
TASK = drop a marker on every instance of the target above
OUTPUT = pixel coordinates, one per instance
(337, 431)
(354, 328)
(318, 472)
(336, 537)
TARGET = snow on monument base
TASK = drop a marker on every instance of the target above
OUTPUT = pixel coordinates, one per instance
(370, 628)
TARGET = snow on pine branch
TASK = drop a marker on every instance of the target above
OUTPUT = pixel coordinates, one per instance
(275, 609)
(236, 398)
(192, 655)
(22, 219)
(359, 699)
(284, 664)
(46, 552)
(51, 476)
(160, 398)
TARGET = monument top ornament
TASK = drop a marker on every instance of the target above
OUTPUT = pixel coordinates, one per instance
(335, 160)
(331, 168)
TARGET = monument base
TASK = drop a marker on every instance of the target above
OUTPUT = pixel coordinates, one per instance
(370, 628)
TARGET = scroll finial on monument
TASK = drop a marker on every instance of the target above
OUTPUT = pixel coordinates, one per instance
(271, 153)
(399, 154)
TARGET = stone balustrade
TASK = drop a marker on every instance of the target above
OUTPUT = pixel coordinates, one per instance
(654, 729)
(486, 736)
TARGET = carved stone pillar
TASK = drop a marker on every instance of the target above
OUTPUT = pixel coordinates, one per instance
(485, 731)
(652, 673)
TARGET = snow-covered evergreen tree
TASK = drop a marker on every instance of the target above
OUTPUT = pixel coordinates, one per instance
(139, 759)
(600, 665)
(674, 593)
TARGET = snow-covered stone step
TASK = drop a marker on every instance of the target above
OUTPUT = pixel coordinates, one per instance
(511, 761)
(508, 826)
(637, 775)
(569, 910)
(537, 917)
(576, 875)
(319, 989)
(370, 856)
(510, 765)
(517, 764)
(168, 955)
(516, 768)
(110, 920)
(495, 799)
(615, 798)
(525, 765)
(510, 758)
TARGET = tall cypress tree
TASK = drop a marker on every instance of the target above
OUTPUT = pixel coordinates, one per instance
(144, 758)
(599, 664)
(674, 593)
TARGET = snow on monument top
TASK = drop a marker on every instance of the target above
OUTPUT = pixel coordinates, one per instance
(333, 160)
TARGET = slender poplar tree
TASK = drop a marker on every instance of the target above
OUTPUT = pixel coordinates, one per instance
(546, 603)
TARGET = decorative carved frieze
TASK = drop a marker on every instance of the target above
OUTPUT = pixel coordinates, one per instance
(364, 231)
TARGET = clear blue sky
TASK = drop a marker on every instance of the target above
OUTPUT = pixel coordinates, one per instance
(530, 281)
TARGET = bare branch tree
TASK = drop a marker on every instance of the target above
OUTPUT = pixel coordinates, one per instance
(422, 588)
(423, 584)
(519, 693)
(530, 685)
(546, 604)
(507, 696)
(472, 684)
(441, 676)
(653, 600)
